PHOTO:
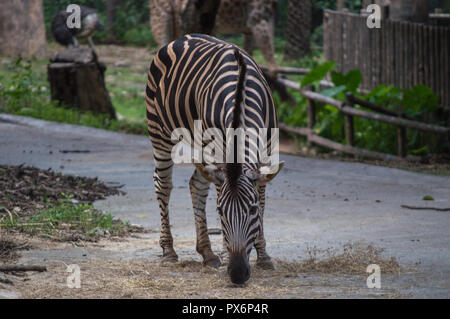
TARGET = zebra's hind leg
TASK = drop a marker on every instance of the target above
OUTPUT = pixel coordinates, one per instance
(199, 187)
(163, 186)
(263, 259)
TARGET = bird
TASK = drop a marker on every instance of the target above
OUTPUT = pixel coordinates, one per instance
(63, 34)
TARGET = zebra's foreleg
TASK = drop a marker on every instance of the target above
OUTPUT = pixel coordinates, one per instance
(263, 259)
(163, 187)
(199, 187)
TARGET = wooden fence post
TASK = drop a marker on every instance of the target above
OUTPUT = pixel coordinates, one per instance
(349, 125)
(311, 113)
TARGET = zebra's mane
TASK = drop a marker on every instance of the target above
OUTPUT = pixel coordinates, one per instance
(234, 170)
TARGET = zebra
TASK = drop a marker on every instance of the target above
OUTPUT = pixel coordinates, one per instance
(199, 77)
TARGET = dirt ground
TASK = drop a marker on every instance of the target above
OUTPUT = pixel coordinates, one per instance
(340, 274)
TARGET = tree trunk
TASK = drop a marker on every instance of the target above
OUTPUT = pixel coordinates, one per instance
(197, 16)
(22, 28)
(298, 30)
(111, 6)
(407, 10)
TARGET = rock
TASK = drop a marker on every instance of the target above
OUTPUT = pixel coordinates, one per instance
(77, 55)
(97, 231)
(121, 63)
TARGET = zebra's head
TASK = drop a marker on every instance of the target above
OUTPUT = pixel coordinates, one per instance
(238, 205)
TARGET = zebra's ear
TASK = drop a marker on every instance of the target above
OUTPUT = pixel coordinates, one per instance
(211, 173)
(267, 173)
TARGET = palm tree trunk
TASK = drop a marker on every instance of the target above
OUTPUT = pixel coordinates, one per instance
(298, 30)
(111, 6)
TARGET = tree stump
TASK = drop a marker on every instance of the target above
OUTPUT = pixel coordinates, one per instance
(77, 81)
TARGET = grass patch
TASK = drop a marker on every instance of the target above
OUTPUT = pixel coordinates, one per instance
(126, 88)
(69, 220)
(56, 206)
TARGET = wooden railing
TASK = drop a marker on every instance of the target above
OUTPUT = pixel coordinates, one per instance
(347, 108)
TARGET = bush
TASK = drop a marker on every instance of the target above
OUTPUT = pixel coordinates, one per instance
(140, 35)
(369, 134)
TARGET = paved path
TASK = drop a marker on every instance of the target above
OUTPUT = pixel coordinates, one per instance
(311, 202)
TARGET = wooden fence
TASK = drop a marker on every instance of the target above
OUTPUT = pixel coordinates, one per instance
(377, 113)
(400, 53)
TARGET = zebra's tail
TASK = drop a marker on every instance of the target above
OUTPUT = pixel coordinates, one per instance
(239, 95)
(234, 170)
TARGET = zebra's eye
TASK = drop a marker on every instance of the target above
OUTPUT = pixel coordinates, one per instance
(253, 209)
(219, 210)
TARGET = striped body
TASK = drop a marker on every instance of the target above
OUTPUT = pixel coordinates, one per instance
(199, 77)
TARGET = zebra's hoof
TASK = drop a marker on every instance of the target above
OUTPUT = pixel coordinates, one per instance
(169, 258)
(212, 262)
(265, 263)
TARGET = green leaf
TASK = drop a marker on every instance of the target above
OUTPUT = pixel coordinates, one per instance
(333, 91)
(351, 80)
(318, 73)
(420, 98)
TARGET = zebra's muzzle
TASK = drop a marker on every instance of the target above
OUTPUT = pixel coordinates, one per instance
(238, 269)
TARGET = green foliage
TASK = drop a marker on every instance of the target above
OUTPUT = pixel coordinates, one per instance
(140, 35)
(290, 114)
(78, 216)
(317, 74)
(369, 134)
(19, 88)
(353, 5)
(419, 99)
(349, 81)
(415, 102)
